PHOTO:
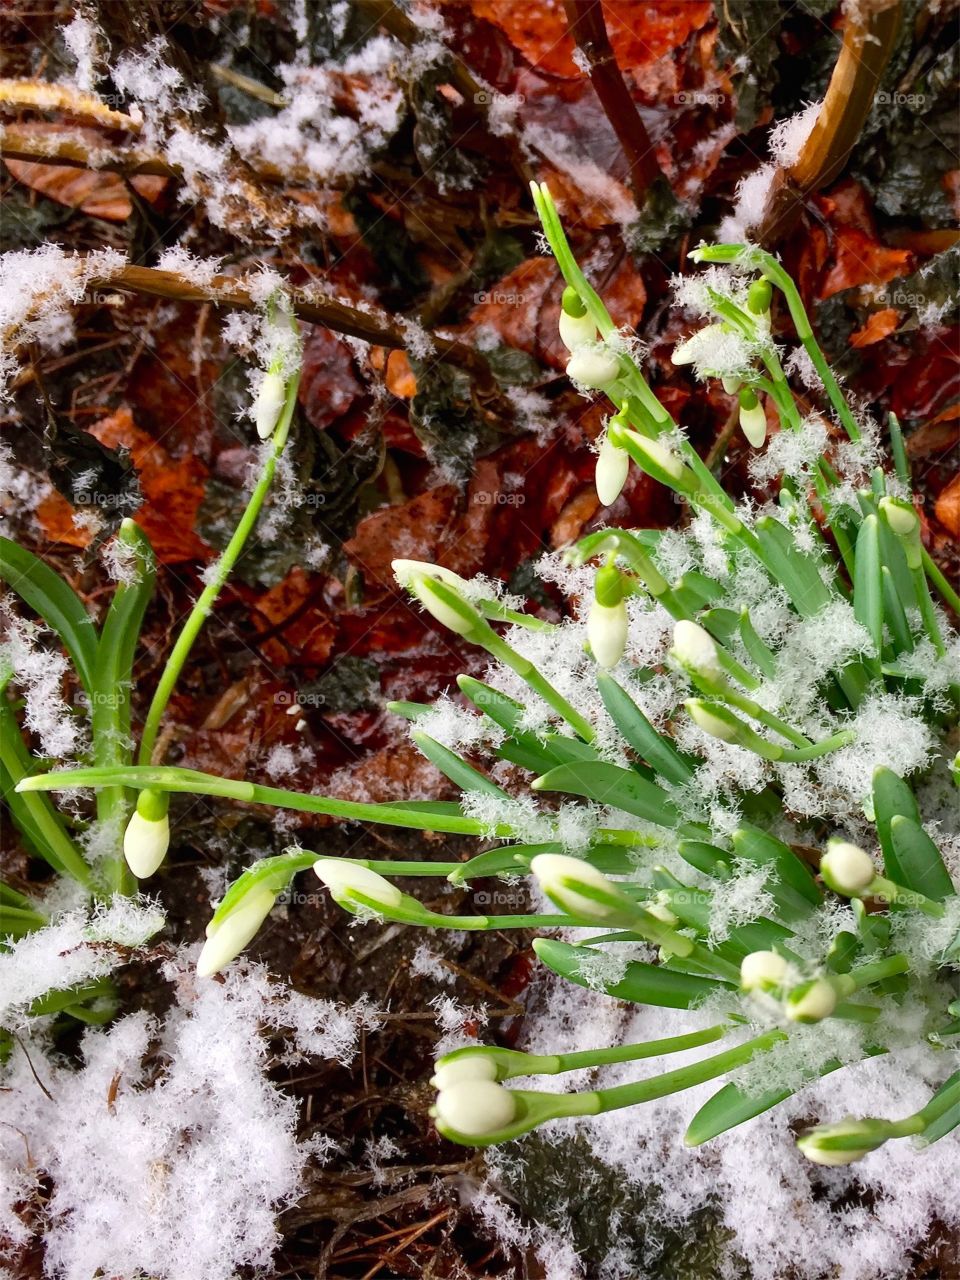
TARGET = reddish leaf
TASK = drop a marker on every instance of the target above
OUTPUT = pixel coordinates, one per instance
(879, 325)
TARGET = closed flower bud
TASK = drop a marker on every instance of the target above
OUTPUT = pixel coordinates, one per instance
(270, 399)
(226, 938)
(753, 419)
(576, 330)
(607, 632)
(444, 603)
(705, 717)
(467, 1066)
(691, 349)
(475, 1108)
(731, 385)
(559, 875)
(613, 467)
(593, 367)
(847, 869)
(811, 1001)
(762, 970)
(695, 649)
(904, 523)
(821, 1145)
(147, 837)
(406, 570)
(344, 878)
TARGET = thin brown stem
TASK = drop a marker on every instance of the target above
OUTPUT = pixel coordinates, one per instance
(590, 32)
(868, 41)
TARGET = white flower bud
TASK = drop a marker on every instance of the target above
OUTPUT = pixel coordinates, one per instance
(554, 871)
(692, 349)
(846, 868)
(270, 398)
(811, 1002)
(607, 632)
(475, 1108)
(695, 648)
(442, 600)
(731, 385)
(228, 937)
(814, 1146)
(145, 843)
(613, 467)
(762, 970)
(406, 570)
(576, 330)
(901, 517)
(667, 461)
(593, 367)
(343, 877)
(474, 1066)
(726, 731)
(753, 424)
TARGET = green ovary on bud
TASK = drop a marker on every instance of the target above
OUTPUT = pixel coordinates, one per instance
(560, 877)
(345, 879)
(828, 1144)
(593, 367)
(695, 649)
(474, 1108)
(270, 397)
(762, 971)
(847, 868)
(759, 296)
(753, 419)
(147, 837)
(613, 467)
(228, 936)
(444, 603)
(576, 324)
(811, 1001)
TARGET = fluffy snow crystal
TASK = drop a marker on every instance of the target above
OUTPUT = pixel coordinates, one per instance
(169, 1152)
(40, 673)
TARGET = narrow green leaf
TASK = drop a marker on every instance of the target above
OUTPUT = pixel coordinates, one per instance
(55, 601)
(641, 983)
(759, 651)
(946, 1123)
(920, 860)
(797, 572)
(895, 614)
(504, 711)
(892, 797)
(706, 858)
(455, 768)
(868, 583)
(790, 882)
(639, 733)
(609, 784)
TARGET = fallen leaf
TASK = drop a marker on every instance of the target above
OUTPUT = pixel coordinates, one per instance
(879, 325)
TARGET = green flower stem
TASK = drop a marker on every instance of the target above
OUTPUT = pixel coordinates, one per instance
(775, 273)
(802, 754)
(524, 668)
(928, 613)
(388, 868)
(764, 717)
(224, 566)
(876, 971)
(940, 581)
(629, 1095)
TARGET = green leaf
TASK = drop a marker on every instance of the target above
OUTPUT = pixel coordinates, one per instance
(609, 784)
(641, 983)
(868, 583)
(658, 751)
(504, 711)
(454, 767)
(919, 859)
(946, 1123)
(57, 604)
(706, 858)
(796, 571)
(895, 615)
(892, 798)
(790, 882)
(759, 651)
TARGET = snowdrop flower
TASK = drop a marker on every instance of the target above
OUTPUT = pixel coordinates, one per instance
(474, 1108)
(613, 467)
(705, 717)
(817, 1144)
(227, 937)
(847, 869)
(762, 971)
(904, 523)
(753, 419)
(344, 879)
(811, 1001)
(559, 877)
(593, 367)
(576, 324)
(656, 459)
(731, 384)
(697, 345)
(406, 570)
(147, 837)
(695, 649)
(270, 398)
(607, 623)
